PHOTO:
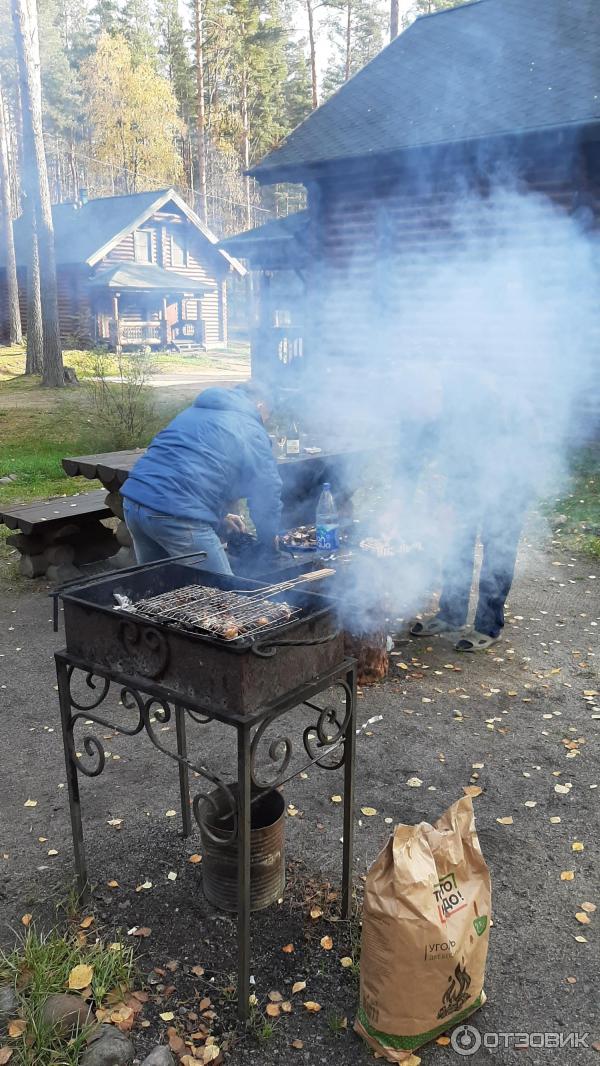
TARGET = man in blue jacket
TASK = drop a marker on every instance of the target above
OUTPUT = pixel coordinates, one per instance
(176, 496)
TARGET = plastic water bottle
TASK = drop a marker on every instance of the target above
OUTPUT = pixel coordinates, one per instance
(328, 528)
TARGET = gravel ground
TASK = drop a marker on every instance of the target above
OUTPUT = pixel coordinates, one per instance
(511, 709)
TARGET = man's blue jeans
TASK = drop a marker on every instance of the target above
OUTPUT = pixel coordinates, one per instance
(158, 536)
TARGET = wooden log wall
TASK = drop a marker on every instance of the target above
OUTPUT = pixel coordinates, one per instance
(379, 243)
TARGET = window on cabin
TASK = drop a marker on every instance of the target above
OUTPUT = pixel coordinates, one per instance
(178, 250)
(143, 245)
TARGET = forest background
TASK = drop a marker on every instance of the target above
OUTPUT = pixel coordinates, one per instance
(145, 94)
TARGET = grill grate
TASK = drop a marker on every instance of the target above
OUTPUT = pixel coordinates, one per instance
(228, 615)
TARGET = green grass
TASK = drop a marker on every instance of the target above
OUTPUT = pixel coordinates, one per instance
(575, 516)
(38, 967)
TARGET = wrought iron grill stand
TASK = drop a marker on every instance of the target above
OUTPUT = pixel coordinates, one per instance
(329, 744)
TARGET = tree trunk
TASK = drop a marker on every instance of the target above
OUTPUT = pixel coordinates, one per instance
(12, 286)
(313, 53)
(200, 112)
(246, 147)
(36, 181)
(348, 37)
(394, 18)
(35, 356)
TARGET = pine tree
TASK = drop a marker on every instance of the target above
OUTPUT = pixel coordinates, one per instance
(28, 53)
(136, 24)
(175, 58)
(357, 32)
(12, 286)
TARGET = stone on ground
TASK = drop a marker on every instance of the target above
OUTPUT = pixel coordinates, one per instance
(159, 1056)
(9, 1005)
(108, 1047)
(66, 1012)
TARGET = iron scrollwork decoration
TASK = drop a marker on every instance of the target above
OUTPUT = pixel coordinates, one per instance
(323, 743)
(149, 710)
(147, 648)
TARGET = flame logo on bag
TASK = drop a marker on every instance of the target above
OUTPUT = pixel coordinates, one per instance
(457, 994)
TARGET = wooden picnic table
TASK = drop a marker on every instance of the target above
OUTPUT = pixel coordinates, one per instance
(302, 476)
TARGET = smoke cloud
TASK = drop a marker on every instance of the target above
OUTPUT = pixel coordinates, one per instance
(463, 368)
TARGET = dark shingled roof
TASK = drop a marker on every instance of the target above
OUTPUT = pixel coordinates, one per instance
(482, 70)
(82, 231)
(276, 245)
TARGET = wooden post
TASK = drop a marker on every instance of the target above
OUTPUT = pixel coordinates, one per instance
(116, 321)
(165, 338)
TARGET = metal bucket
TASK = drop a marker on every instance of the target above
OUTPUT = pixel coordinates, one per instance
(220, 861)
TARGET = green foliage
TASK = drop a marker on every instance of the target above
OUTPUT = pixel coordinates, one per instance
(369, 24)
(427, 7)
(39, 966)
(122, 402)
(133, 114)
(175, 57)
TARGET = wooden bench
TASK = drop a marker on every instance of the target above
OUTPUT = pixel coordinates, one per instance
(56, 536)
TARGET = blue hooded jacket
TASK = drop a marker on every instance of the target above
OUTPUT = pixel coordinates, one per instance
(212, 453)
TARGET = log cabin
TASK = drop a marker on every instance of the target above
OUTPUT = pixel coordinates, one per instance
(133, 271)
(461, 98)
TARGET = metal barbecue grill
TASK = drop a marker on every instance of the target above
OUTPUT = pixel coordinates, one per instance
(229, 615)
(151, 645)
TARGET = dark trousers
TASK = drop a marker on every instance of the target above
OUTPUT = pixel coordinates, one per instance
(500, 528)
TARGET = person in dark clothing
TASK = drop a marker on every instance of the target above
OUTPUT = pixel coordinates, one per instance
(218, 450)
(489, 485)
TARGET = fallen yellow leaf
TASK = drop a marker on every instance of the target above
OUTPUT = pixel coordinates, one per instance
(590, 908)
(16, 1028)
(26, 920)
(473, 791)
(346, 962)
(87, 921)
(298, 1044)
(315, 913)
(567, 875)
(555, 820)
(313, 1007)
(80, 977)
(288, 949)
(336, 799)
(443, 1041)
(170, 814)
(286, 1007)
(273, 1010)
(368, 811)
(326, 943)
(577, 846)
(112, 884)
(210, 1053)
(275, 997)
(5, 1055)
(580, 939)
(30, 803)
(195, 859)
(298, 986)
(167, 1016)
(583, 918)
(505, 821)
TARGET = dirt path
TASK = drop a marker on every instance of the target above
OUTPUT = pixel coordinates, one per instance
(510, 709)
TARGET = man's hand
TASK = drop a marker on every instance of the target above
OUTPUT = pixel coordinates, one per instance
(234, 523)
